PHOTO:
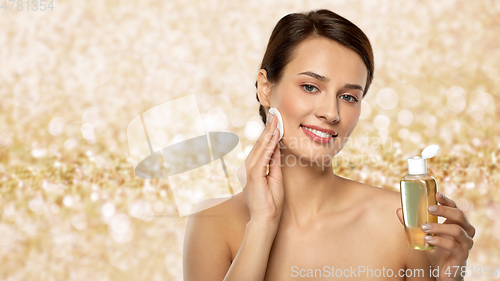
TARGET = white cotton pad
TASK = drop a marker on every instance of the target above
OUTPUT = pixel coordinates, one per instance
(276, 113)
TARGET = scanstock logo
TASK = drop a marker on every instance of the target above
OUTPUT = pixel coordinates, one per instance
(169, 142)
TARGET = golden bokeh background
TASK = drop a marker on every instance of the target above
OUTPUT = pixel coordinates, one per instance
(72, 79)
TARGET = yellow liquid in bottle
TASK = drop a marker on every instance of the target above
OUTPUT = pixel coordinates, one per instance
(416, 196)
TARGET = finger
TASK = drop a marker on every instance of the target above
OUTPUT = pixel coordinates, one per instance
(448, 244)
(258, 150)
(453, 215)
(275, 164)
(242, 175)
(267, 133)
(452, 230)
(443, 200)
(265, 159)
(399, 213)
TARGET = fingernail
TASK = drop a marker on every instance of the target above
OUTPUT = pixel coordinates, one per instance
(426, 226)
(428, 238)
(433, 208)
(441, 195)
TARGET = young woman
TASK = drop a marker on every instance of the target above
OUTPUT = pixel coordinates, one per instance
(302, 220)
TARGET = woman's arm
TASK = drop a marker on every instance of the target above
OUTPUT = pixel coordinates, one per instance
(251, 261)
(207, 255)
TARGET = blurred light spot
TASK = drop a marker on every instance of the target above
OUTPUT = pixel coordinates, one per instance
(138, 209)
(253, 128)
(470, 185)
(478, 116)
(92, 117)
(56, 126)
(9, 209)
(68, 201)
(405, 117)
(247, 150)
(108, 209)
(70, 143)
(410, 97)
(219, 119)
(493, 211)
(88, 131)
(5, 140)
(237, 117)
(481, 99)
(71, 130)
(208, 122)
(381, 122)
(79, 221)
(53, 149)
(430, 121)
(94, 196)
(120, 223)
(366, 109)
(476, 142)
(54, 208)
(403, 133)
(163, 193)
(37, 153)
(36, 204)
(387, 98)
(383, 133)
(415, 137)
(456, 103)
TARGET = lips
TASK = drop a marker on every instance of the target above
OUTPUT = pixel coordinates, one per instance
(316, 138)
(321, 129)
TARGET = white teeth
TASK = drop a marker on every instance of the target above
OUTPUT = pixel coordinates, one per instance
(318, 133)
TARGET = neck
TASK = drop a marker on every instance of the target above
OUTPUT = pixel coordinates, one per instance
(311, 190)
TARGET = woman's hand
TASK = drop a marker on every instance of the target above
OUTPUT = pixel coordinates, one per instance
(453, 241)
(264, 193)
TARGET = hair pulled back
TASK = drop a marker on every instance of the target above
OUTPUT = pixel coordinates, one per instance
(294, 28)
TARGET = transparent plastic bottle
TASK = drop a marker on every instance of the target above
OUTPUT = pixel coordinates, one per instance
(418, 192)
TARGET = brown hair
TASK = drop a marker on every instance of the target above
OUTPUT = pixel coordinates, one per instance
(294, 28)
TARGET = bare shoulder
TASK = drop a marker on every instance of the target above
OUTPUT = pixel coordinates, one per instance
(206, 252)
(379, 199)
(382, 205)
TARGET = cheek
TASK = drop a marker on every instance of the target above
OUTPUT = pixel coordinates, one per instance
(351, 118)
(290, 105)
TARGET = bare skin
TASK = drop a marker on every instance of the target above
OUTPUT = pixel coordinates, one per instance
(302, 217)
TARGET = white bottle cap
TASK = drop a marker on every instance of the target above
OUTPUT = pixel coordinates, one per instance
(430, 151)
(417, 165)
(276, 113)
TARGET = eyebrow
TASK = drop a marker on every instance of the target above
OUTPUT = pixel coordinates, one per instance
(326, 79)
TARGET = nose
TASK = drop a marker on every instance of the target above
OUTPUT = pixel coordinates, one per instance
(328, 109)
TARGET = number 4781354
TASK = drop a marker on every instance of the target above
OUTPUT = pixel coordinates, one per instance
(27, 5)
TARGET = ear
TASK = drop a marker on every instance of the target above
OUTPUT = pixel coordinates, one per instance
(264, 89)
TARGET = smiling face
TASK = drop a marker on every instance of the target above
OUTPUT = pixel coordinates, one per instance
(321, 86)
